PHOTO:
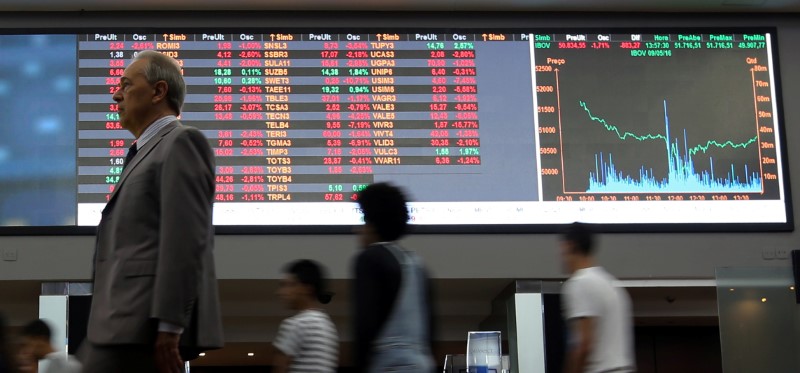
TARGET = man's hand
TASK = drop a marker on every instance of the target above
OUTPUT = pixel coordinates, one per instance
(168, 359)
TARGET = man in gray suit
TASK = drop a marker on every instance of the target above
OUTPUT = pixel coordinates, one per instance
(155, 300)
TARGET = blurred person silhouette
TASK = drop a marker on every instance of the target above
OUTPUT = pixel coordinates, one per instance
(37, 346)
(8, 357)
(155, 301)
(307, 341)
(598, 313)
(393, 315)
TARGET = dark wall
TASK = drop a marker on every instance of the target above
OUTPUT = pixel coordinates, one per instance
(687, 349)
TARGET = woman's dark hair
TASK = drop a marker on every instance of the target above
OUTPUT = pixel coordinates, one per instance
(308, 272)
(384, 207)
(37, 329)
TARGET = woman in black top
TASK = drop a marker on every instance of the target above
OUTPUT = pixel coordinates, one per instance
(378, 272)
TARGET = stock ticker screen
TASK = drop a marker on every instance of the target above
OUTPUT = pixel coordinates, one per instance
(480, 128)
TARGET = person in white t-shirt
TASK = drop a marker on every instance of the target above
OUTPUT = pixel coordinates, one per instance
(598, 313)
(36, 346)
(307, 341)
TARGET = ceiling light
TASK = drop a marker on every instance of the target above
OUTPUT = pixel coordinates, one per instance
(763, 300)
(202, 354)
(251, 354)
(791, 287)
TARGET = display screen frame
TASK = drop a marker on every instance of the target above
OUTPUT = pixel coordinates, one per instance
(460, 228)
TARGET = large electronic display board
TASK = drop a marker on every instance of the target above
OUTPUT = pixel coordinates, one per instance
(664, 129)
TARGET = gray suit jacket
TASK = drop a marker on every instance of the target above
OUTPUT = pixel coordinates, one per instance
(154, 259)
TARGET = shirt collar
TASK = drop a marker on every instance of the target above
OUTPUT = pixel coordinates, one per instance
(153, 129)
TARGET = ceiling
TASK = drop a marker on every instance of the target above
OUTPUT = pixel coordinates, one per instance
(777, 6)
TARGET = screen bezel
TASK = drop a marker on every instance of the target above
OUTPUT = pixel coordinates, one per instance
(456, 229)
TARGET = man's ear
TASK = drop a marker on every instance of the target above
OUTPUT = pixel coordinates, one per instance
(160, 90)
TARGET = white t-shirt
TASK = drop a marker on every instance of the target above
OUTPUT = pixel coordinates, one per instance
(310, 339)
(590, 292)
(59, 362)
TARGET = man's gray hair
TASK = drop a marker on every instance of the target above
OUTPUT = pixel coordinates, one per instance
(163, 67)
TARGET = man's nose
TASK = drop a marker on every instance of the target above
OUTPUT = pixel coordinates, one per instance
(117, 96)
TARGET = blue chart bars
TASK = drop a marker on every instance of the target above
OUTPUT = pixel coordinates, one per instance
(682, 175)
(658, 117)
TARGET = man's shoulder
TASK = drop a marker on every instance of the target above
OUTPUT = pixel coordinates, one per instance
(184, 136)
(374, 254)
(593, 273)
(377, 262)
(595, 280)
(181, 129)
(585, 277)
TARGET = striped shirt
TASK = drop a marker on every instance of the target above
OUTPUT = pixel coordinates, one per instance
(153, 129)
(311, 340)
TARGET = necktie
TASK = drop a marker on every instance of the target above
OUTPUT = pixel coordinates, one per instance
(131, 153)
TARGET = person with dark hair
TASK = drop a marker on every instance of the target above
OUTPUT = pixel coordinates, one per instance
(155, 300)
(597, 311)
(307, 341)
(393, 309)
(36, 345)
(8, 361)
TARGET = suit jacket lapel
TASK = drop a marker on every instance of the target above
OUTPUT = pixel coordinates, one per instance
(140, 156)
